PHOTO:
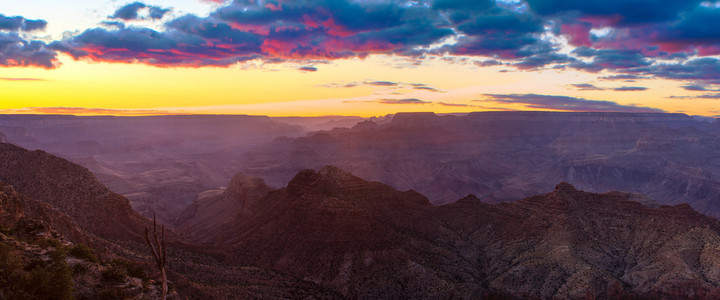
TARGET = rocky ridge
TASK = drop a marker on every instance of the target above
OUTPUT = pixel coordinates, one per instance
(365, 239)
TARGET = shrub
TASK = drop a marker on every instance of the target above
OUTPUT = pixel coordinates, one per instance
(114, 274)
(83, 252)
(49, 242)
(133, 269)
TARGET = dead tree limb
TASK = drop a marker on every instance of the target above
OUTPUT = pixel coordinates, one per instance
(159, 252)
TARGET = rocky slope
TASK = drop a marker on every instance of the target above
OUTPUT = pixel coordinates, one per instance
(71, 190)
(38, 262)
(160, 163)
(512, 155)
(364, 239)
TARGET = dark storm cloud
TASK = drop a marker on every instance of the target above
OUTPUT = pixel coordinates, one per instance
(567, 103)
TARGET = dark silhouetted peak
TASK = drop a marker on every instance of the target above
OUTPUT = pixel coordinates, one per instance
(565, 187)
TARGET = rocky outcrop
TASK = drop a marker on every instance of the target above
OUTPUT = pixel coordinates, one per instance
(571, 244)
(203, 220)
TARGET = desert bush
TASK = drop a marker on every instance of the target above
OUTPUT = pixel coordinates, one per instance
(83, 252)
(115, 274)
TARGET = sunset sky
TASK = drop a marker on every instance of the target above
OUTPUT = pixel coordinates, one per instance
(365, 58)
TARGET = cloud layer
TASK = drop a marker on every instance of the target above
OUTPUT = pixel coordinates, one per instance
(629, 39)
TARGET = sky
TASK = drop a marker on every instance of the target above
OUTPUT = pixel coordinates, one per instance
(361, 58)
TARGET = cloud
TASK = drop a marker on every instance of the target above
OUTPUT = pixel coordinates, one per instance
(16, 51)
(308, 69)
(197, 47)
(629, 88)
(625, 77)
(381, 83)
(488, 63)
(84, 111)
(424, 87)
(617, 11)
(705, 70)
(271, 30)
(566, 103)
(705, 96)
(131, 11)
(20, 79)
(587, 87)
(630, 39)
(403, 101)
(610, 59)
(458, 104)
(18, 23)
(700, 88)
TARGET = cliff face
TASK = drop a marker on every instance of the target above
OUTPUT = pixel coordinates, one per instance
(203, 220)
(513, 155)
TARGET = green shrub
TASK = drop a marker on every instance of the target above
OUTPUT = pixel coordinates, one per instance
(83, 252)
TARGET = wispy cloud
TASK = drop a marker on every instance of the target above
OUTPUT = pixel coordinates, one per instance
(308, 69)
(84, 111)
(566, 103)
(704, 96)
(587, 87)
(403, 101)
(21, 79)
(629, 89)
